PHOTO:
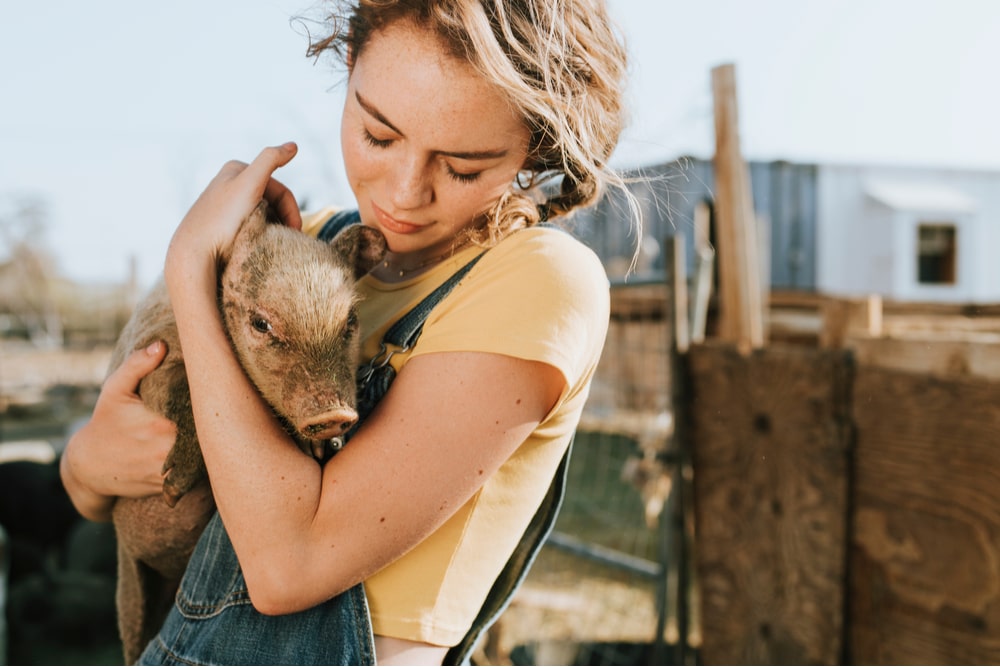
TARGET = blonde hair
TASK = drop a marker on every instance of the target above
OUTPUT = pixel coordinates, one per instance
(559, 62)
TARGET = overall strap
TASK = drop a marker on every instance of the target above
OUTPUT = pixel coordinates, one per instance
(374, 376)
(407, 329)
(337, 222)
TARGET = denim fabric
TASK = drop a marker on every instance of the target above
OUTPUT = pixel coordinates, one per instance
(214, 623)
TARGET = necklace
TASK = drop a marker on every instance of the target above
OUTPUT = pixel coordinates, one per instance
(403, 272)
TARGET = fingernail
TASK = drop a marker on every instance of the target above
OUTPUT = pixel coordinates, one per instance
(153, 348)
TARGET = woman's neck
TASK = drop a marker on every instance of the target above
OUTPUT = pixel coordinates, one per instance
(397, 267)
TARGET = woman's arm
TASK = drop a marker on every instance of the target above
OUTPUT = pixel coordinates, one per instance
(302, 533)
(121, 450)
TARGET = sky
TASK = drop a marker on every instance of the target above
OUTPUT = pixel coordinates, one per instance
(114, 114)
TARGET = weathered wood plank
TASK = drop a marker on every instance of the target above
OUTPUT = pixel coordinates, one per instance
(943, 356)
(925, 556)
(771, 439)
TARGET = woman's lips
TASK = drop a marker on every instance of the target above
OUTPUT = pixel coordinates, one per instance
(393, 225)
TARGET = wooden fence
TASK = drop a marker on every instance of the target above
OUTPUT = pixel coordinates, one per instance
(847, 510)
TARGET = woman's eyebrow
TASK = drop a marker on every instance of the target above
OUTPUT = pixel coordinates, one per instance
(375, 113)
(461, 155)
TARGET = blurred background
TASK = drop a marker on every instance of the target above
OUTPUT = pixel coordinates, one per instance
(854, 116)
(115, 118)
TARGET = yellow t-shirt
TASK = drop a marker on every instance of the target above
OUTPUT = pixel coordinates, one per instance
(539, 295)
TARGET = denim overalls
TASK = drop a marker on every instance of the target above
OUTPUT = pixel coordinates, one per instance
(213, 621)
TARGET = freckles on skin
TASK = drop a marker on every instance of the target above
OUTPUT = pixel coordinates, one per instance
(438, 108)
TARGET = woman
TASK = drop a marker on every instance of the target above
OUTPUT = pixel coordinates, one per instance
(456, 112)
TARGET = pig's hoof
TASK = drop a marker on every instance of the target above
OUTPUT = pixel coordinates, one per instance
(171, 494)
(319, 449)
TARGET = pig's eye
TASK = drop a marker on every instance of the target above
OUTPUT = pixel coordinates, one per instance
(260, 324)
(352, 321)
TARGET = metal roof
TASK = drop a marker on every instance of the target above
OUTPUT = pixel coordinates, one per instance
(914, 196)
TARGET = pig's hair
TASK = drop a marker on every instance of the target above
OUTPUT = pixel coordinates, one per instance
(561, 63)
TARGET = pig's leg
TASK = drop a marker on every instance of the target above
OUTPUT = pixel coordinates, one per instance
(154, 545)
(130, 603)
(184, 466)
(143, 599)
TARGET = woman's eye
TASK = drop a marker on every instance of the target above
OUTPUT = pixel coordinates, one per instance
(371, 140)
(463, 178)
(260, 324)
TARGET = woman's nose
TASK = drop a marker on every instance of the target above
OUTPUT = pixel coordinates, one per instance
(412, 188)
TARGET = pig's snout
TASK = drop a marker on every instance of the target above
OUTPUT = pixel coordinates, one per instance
(329, 424)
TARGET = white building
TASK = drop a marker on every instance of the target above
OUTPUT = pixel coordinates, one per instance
(908, 234)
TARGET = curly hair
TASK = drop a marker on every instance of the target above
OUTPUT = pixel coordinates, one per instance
(559, 62)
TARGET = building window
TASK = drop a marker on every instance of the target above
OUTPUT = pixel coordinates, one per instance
(936, 246)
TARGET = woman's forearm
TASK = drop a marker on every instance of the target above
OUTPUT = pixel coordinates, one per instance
(90, 504)
(266, 489)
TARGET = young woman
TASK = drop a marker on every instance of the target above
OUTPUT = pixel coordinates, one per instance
(456, 113)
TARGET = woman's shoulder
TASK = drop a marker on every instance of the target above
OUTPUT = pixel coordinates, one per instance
(538, 274)
(550, 250)
(540, 294)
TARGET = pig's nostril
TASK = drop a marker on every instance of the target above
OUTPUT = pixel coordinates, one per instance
(321, 431)
(329, 424)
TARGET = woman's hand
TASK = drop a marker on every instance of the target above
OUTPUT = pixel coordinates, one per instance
(211, 224)
(121, 450)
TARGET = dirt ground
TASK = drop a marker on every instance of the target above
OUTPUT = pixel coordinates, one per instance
(27, 373)
(43, 392)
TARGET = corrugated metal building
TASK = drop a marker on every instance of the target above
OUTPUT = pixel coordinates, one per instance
(906, 233)
(784, 198)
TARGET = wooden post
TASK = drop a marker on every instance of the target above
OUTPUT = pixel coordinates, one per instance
(703, 272)
(741, 316)
(676, 270)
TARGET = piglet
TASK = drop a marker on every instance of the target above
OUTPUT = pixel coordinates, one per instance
(288, 303)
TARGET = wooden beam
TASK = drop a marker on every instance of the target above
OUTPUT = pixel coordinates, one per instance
(951, 357)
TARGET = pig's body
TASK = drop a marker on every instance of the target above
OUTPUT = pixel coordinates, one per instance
(287, 302)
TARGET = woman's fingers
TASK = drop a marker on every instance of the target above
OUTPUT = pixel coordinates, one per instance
(139, 364)
(235, 192)
(261, 171)
(269, 160)
(121, 449)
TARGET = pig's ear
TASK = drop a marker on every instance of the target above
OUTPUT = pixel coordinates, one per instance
(361, 247)
(251, 227)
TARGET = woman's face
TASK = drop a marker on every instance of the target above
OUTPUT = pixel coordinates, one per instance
(428, 144)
